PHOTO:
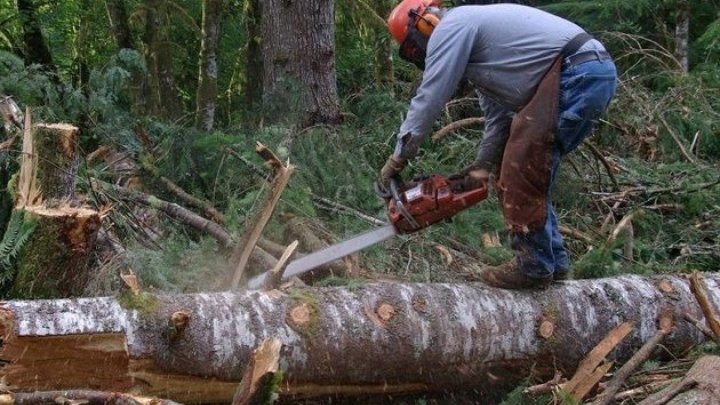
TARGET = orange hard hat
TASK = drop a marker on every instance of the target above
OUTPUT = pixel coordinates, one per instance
(400, 16)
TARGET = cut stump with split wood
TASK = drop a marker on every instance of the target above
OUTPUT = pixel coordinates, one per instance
(52, 234)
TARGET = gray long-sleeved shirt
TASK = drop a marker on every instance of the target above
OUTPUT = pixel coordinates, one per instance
(503, 50)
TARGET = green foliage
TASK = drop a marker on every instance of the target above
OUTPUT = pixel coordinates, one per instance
(180, 265)
(650, 365)
(709, 43)
(354, 62)
(28, 84)
(656, 106)
(144, 303)
(347, 283)
(496, 255)
(17, 232)
(707, 348)
(597, 263)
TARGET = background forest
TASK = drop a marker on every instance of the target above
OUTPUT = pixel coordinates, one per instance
(173, 94)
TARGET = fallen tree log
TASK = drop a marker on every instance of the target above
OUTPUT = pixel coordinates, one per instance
(380, 338)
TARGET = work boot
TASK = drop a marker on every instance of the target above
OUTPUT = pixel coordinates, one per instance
(509, 276)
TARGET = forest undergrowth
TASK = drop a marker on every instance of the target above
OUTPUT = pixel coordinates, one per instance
(628, 201)
(640, 196)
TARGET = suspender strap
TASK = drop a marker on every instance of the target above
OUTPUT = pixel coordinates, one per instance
(574, 44)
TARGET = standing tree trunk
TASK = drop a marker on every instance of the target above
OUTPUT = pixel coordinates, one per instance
(118, 16)
(299, 61)
(682, 34)
(379, 338)
(247, 77)
(383, 48)
(150, 101)
(162, 95)
(206, 98)
(35, 47)
(253, 90)
(81, 46)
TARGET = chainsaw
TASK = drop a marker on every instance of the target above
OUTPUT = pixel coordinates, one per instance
(411, 207)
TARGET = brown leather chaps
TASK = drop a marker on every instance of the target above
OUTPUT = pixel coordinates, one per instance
(524, 179)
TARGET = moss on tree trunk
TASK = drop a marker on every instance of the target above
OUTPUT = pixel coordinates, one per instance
(53, 263)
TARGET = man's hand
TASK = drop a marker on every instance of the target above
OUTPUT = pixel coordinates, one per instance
(476, 176)
(479, 175)
(391, 169)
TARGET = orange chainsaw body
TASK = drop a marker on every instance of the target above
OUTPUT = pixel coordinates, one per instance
(426, 200)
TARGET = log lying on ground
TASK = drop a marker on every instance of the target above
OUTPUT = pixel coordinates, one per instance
(377, 338)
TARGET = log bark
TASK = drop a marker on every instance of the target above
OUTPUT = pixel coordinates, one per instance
(379, 338)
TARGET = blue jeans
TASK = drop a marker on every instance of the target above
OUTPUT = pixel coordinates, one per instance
(585, 93)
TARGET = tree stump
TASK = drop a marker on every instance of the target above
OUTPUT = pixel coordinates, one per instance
(51, 261)
(54, 261)
(56, 146)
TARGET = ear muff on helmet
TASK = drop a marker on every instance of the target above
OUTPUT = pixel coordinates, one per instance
(407, 14)
(426, 24)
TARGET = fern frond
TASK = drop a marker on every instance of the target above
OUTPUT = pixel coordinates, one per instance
(16, 235)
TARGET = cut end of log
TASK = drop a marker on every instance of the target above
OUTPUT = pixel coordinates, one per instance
(66, 210)
(300, 315)
(386, 312)
(59, 126)
(665, 322)
(68, 137)
(178, 323)
(80, 224)
(546, 329)
(665, 286)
